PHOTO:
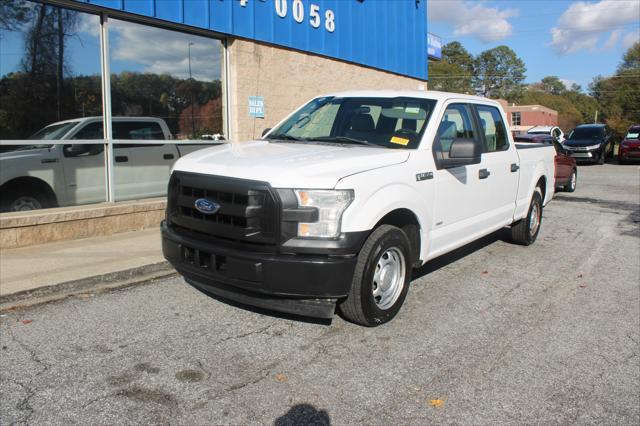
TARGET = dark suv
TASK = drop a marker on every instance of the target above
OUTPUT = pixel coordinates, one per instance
(590, 142)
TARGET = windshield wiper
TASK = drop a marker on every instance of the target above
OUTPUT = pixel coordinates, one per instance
(344, 139)
(284, 137)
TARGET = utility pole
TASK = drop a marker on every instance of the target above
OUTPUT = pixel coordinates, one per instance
(595, 118)
(193, 122)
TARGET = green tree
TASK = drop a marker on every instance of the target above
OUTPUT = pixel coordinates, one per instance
(500, 73)
(454, 73)
(618, 96)
(553, 85)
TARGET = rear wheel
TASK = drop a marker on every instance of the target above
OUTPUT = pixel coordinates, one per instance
(381, 279)
(526, 230)
(573, 182)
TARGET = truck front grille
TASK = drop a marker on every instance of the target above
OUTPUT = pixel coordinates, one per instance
(248, 209)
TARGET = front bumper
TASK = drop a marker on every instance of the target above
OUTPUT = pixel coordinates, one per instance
(301, 284)
(586, 155)
(629, 153)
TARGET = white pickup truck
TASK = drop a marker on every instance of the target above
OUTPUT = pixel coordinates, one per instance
(338, 202)
(44, 175)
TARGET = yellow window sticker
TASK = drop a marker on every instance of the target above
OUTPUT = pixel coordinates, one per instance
(400, 141)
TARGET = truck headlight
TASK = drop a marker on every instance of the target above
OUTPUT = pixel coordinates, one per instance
(592, 147)
(330, 205)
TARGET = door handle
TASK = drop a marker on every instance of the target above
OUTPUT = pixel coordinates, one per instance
(514, 168)
(122, 159)
(483, 173)
(49, 160)
(168, 156)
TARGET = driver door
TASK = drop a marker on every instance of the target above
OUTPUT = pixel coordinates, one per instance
(457, 207)
(84, 169)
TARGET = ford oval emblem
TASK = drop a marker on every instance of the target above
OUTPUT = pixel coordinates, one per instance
(206, 206)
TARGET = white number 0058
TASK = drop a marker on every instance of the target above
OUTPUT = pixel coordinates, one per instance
(315, 18)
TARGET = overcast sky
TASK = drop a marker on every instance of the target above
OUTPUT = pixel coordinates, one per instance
(574, 40)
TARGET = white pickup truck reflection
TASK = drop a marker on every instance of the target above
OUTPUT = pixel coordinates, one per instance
(42, 176)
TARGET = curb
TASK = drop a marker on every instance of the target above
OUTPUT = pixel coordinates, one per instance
(96, 284)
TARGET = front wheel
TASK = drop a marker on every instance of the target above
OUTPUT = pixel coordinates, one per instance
(526, 230)
(381, 279)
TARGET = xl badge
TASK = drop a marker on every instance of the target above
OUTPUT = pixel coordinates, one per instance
(206, 206)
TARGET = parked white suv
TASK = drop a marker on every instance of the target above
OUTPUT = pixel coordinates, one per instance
(44, 175)
(554, 131)
(340, 200)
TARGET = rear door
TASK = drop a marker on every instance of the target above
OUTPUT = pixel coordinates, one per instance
(499, 175)
(145, 168)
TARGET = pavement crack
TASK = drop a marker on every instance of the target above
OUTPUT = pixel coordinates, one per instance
(242, 336)
(25, 403)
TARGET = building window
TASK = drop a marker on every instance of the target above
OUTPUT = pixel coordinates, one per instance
(164, 85)
(515, 118)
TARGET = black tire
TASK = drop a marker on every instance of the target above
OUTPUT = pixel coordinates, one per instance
(360, 306)
(521, 232)
(573, 182)
(23, 199)
(601, 158)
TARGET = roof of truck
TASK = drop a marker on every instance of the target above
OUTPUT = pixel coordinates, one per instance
(429, 94)
(99, 118)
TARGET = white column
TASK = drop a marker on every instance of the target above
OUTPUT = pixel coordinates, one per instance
(106, 105)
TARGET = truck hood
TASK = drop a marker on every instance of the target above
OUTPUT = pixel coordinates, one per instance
(23, 153)
(286, 165)
(582, 142)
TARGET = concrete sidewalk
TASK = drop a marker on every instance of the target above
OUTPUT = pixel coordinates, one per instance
(88, 262)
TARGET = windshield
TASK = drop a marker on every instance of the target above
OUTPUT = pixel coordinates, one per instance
(633, 134)
(55, 131)
(380, 122)
(586, 133)
(52, 132)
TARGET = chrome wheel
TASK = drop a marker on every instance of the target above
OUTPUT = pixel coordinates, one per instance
(25, 203)
(574, 180)
(534, 220)
(388, 278)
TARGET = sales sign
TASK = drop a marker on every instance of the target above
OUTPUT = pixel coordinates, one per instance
(256, 106)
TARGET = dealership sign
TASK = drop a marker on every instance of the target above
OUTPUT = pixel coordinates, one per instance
(434, 46)
(256, 106)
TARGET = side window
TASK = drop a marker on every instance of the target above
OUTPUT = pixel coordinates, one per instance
(90, 131)
(495, 134)
(456, 123)
(136, 130)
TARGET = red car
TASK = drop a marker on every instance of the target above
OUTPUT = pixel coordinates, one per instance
(566, 167)
(630, 147)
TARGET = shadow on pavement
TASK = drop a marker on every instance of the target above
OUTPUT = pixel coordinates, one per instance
(304, 414)
(503, 234)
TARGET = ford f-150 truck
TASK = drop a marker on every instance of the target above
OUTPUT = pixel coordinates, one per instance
(339, 201)
(44, 175)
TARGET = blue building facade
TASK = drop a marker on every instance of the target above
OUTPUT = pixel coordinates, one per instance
(390, 35)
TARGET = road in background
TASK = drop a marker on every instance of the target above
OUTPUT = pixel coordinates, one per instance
(492, 333)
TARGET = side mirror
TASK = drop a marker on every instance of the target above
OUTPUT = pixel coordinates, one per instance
(462, 152)
(79, 150)
(265, 131)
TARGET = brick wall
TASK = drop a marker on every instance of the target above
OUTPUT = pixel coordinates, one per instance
(287, 78)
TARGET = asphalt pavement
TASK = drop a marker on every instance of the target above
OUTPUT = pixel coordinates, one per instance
(493, 333)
